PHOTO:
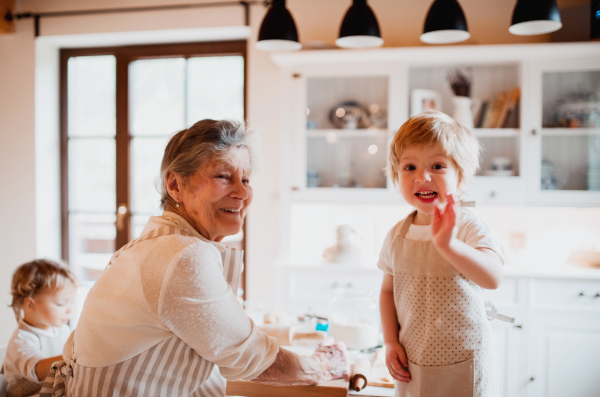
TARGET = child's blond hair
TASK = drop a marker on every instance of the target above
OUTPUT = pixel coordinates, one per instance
(36, 276)
(433, 128)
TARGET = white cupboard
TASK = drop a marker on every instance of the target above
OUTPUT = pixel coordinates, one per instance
(551, 350)
(564, 356)
(340, 110)
(342, 107)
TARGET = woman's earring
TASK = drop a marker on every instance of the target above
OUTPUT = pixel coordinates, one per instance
(177, 205)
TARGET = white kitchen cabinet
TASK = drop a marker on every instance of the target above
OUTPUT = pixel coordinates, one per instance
(319, 157)
(489, 80)
(551, 350)
(565, 131)
(564, 337)
(564, 356)
(511, 299)
(339, 130)
(511, 342)
(321, 161)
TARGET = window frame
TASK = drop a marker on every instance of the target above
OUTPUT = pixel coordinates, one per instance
(124, 55)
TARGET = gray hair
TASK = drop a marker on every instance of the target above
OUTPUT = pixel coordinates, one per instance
(191, 149)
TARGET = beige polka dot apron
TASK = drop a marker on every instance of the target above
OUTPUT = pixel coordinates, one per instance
(170, 368)
(443, 326)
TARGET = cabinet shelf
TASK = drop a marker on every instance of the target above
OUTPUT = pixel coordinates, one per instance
(570, 131)
(342, 133)
(496, 132)
(346, 195)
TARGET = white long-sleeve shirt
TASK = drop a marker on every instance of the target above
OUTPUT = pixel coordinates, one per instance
(27, 346)
(171, 285)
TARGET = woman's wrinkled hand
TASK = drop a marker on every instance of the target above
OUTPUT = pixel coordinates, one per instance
(335, 359)
(396, 361)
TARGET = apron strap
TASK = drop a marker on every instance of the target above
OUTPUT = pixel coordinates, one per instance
(161, 231)
(406, 224)
(54, 384)
(232, 258)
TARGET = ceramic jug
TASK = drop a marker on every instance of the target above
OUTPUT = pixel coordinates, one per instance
(464, 109)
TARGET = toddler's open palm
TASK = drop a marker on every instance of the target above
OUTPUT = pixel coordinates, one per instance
(444, 225)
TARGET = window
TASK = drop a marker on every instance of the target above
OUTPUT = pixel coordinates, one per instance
(119, 107)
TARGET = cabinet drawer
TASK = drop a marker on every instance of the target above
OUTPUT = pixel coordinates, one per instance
(506, 295)
(564, 294)
(320, 285)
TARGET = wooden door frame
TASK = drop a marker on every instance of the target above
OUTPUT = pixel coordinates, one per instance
(124, 55)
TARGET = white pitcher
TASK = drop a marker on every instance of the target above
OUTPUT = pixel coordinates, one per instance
(464, 109)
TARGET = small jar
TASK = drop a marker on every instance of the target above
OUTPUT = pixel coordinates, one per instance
(354, 318)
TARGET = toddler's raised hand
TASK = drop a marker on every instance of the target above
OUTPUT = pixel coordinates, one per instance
(444, 225)
(396, 361)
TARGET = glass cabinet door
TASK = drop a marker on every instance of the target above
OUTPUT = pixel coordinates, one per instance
(346, 132)
(568, 122)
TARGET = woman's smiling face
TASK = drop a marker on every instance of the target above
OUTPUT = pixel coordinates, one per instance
(426, 175)
(216, 198)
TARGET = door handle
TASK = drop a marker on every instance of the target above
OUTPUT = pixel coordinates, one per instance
(121, 214)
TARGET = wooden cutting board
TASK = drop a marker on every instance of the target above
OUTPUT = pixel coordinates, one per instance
(335, 388)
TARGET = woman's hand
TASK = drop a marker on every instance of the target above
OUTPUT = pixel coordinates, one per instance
(335, 360)
(396, 361)
(444, 225)
(328, 362)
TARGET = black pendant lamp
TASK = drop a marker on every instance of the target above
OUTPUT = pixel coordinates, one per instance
(445, 23)
(278, 30)
(359, 27)
(532, 17)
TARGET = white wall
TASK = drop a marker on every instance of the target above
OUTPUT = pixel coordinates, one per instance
(317, 20)
(17, 162)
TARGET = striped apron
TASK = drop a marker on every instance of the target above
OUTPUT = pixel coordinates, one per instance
(170, 368)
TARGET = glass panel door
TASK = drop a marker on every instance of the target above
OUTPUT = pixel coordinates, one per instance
(157, 111)
(166, 96)
(494, 96)
(92, 163)
(346, 132)
(570, 146)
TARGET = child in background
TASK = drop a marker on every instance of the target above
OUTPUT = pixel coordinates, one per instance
(43, 293)
(436, 262)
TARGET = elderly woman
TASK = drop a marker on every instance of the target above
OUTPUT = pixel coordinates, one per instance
(163, 319)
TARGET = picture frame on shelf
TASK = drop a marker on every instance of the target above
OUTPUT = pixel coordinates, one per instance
(422, 99)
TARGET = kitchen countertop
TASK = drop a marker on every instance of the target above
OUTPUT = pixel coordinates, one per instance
(553, 270)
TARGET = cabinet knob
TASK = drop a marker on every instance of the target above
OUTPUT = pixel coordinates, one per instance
(296, 75)
(597, 295)
(534, 132)
(493, 194)
(531, 379)
(519, 326)
(581, 294)
(295, 188)
(334, 285)
(349, 285)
